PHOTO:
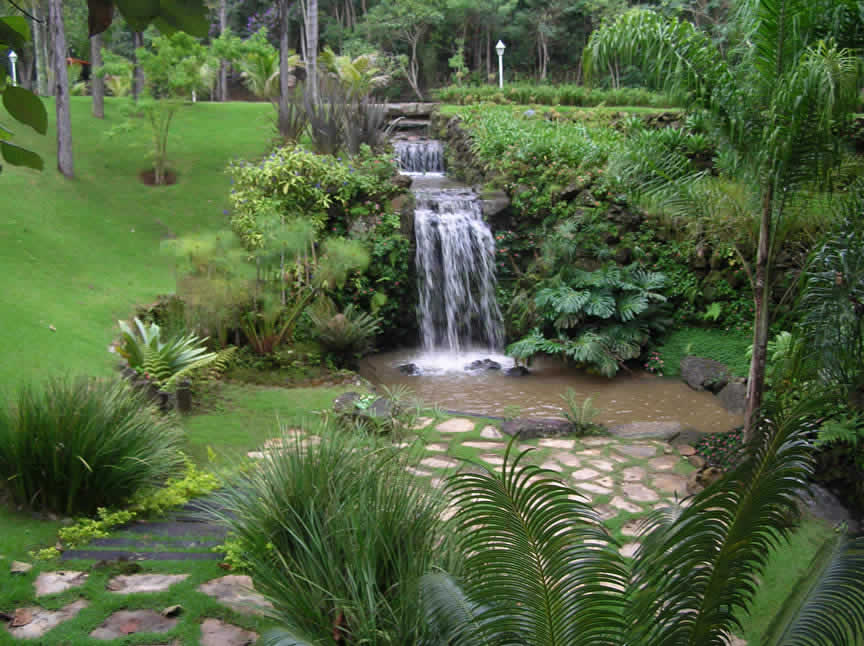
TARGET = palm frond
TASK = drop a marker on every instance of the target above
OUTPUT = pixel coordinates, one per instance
(538, 558)
(702, 570)
(450, 613)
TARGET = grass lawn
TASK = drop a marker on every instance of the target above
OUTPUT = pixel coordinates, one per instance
(729, 348)
(79, 254)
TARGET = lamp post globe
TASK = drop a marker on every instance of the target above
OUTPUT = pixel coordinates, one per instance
(500, 47)
(13, 58)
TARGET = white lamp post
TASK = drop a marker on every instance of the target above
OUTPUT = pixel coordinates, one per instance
(13, 58)
(500, 49)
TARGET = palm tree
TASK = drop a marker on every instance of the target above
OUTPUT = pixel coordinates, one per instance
(779, 100)
(541, 569)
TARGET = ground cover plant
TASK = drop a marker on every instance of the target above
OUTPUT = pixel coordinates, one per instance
(70, 446)
(553, 95)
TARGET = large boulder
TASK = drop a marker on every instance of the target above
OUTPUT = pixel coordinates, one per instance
(494, 203)
(640, 430)
(704, 374)
(527, 429)
(734, 398)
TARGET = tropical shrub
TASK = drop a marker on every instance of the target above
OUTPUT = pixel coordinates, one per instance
(596, 319)
(117, 72)
(348, 334)
(540, 568)
(337, 536)
(580, 414)
(70, 446)
(568, 95)
(163, 361)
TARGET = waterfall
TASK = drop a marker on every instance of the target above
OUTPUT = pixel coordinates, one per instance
(419, 157)
(456, 266)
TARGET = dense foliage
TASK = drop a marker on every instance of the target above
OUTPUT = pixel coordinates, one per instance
(553, 95)
(70, 446)
(337, 535)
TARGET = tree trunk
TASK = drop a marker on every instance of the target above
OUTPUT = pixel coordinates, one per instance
(312, 49)
(40, 47)
(137, 72)
(97, 81)
(414, 69)
(61, 88)
(284, 73)
(756, 379)
(223, 66)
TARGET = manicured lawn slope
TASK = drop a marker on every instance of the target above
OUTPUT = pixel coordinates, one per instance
(78, 254)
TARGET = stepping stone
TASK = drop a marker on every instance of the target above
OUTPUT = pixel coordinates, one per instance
(628, 550)
(218, 633)
(491, 433)
(552, 466)
(114, 555)
(632, 527)
(237, 592)
(421, 422)
(486, 446)
(456, 425)
(418, 472)
(590, 453)
(620, 459)
(625, 505)
(135, 583)
(567, 460)
(593, 488)
(664, 463)
(606, 512)
(605, 482)
(603, 465)
(493, 459)
(437, 448)
(685, 450)
(19, 567)
(553, 443)
(637, 450)
(736, 641)
(633, 474)
(57, 582)
(438, 483)
(639, 492)
(439, 463)
(584, 474)
(129, 622)
(671, 483)
(33, 622)
(597, 441)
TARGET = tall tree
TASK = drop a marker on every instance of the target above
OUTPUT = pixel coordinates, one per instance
(137, 72)
(65, 161)
(40, 47)
(284, 116)
(780, 101)
(311, 19)
(97, 81)
(223, 65)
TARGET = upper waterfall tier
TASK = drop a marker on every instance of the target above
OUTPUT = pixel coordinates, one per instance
(420, 157)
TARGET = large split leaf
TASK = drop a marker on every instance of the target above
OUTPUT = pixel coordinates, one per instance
(26, 107)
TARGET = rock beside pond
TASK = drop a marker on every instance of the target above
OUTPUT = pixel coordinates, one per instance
(410, 369)
(359, 406)
(527, 429)
(517, 371)
(734, 398)
(704, 374)
(483, 364)
(639, 430)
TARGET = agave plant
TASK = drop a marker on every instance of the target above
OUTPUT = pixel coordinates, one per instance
(541, 569)
(163, 361)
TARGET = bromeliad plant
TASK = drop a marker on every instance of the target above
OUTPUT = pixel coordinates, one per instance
(541, 569)
(164, 361)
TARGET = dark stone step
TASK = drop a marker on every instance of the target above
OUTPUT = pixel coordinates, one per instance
(147, 545)
(122, 555)
(178, 528)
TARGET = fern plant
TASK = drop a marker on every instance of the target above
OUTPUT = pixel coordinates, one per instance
(346, 334)
(580, 414)
(598, 319)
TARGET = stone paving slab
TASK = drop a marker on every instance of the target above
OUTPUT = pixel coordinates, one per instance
(456, 425)
(177, 528)
(215, 632)
(638, 492)
(139, 583)
(637, 450)
(439, 463)
(147, 545)
(486, 446)
(33, 621)
(56, 582)
(236, 592)
(129, 622)
(554, 443)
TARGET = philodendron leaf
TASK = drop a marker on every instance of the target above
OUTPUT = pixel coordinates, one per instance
(139, 13)
(26, 107)
(14, 32)
(100, 15)
(18, 156)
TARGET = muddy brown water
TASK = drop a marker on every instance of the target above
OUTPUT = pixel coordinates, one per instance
(637, 397)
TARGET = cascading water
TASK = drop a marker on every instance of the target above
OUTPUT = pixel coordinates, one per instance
(457, 309)
(456, 265)
(420, 157)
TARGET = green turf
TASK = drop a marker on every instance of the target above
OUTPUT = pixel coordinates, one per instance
(78, 254)
(726, 347)
(241, 418)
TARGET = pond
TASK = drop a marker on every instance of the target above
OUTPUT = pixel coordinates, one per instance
(633, 397)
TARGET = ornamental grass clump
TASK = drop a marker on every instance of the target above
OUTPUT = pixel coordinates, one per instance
(337, 535)
(70, 446)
